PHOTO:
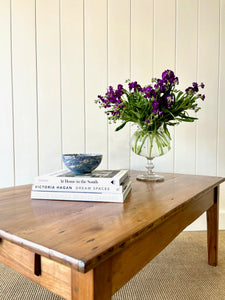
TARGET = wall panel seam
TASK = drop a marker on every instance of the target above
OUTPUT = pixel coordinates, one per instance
(60, 78)
(218, 93)
(197, 71)
(12, 93)
(37, 97)
(130, 72)
(175, 70)
(107, 79)
(153, 41)
(84, 68)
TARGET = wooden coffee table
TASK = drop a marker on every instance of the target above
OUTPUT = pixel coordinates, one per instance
(89, 250)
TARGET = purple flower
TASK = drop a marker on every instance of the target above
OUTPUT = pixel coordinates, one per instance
(195, 86)
(189, 90)
(112, 100)
(202, 97)
(132, 85)
(155, 105)
(111, 91)
(101, 98)
(160, 86)
(169, 76)
(119, 92)
(149, 92)
(169, 100)
(151, 105)
(135, 86)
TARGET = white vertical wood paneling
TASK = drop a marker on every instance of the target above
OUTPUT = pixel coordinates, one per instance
(47, 94)
(208, 73)
(95, 76)
(142, 40)
(164, 58)
(208, 42)
(72, 59)
(221, 119)
(164, 36)
(24, 90)
(118, 73)
(6, 121)
(48, 68)
(186, 70)
(141, 55)
(221, 107)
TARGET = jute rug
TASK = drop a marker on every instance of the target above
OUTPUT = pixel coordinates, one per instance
(179, 272)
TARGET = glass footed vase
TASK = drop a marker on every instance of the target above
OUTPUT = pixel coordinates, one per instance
(150, 144)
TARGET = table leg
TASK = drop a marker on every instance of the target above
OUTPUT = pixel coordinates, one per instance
(93, 285)
(212, 229)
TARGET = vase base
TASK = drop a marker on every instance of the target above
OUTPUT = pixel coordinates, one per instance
(152, 177)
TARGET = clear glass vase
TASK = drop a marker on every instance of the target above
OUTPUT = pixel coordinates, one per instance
(150, 144)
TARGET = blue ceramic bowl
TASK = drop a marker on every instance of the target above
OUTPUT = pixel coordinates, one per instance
(81, 163)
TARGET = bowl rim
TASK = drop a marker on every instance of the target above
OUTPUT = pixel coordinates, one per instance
(82, 154)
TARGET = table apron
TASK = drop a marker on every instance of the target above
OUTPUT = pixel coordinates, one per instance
(53, 275)
(134, 257)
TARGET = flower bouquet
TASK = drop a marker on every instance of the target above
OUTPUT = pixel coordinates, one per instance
(153, 108)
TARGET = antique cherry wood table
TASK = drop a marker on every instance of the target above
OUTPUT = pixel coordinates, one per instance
(89, 250)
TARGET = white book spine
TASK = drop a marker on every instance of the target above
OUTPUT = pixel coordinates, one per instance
(84, 188)
(76, 196)
(72, 188)
(54, 178)
(101, 197)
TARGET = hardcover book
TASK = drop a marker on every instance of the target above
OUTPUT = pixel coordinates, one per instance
(81, 196)
(98, 177)
(85, 187)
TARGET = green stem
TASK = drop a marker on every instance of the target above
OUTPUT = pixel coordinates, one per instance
(142, 143)
(151, 137)
(159, 144)
(135, 143)
(160, 137)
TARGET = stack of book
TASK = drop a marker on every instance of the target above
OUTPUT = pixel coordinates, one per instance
(100, 185)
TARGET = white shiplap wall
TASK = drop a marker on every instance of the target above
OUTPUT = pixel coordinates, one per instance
(56, 56)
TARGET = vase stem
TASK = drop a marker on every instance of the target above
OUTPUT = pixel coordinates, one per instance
(150, 167)
(150, 175)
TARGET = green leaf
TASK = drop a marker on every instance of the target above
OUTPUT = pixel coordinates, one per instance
(121, 126)
(137, 114)
(166, 131)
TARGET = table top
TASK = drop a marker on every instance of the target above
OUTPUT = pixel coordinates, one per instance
(82, 234)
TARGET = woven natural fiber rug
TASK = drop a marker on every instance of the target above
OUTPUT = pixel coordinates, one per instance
(179, 272)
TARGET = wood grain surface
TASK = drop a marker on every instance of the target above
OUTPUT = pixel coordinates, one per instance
(84, 234)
